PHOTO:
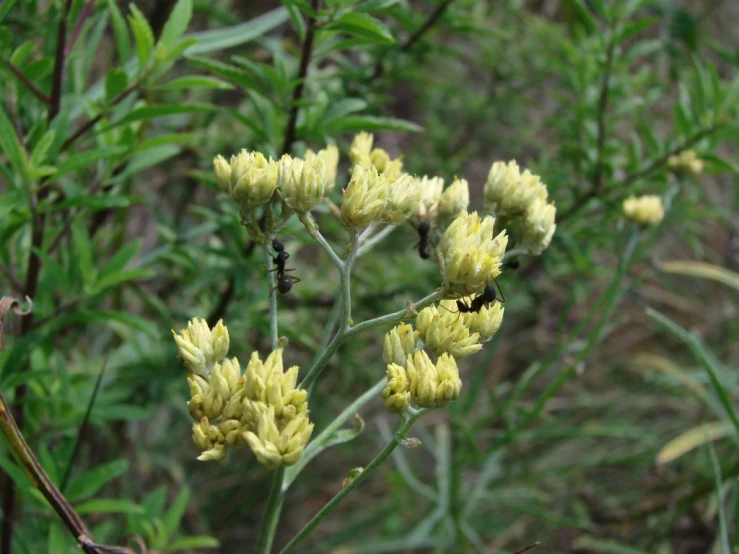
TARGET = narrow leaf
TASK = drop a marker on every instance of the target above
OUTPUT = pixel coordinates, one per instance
(702, 269)
(177, 23)
(692, 439)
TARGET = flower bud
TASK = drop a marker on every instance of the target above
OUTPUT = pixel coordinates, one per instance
(686, 162)
(455, 199)
(330, 157)
(223, 173)
(302, 184)
(449, 382)
(200, 347)
(431, 188)
(399, 342)
(538, 226)
(379, 158)
(486, 322)
(645, 210)
(359, 151)
(365, 198)
(508, 192)
(253, 179)
(469, 255)
(397, 391)
(393, 170)
(423, 378)
(443, 331)
(404, 197)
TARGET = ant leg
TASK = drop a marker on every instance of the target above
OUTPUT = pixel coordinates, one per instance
(502, 296)
(295, 279)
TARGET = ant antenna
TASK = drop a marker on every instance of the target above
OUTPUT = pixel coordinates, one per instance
(502, 300)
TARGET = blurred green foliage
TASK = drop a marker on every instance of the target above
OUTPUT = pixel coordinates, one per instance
(110, 221)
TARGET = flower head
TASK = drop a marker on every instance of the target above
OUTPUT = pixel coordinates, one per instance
(302, 184)
(431, 190)
(444, 331)
(253, 179)
(686, 162)
(275, 446)
(486, 322)
(470, 256)
(645, 210)
(399, 342)
(449, 382)
(200, 348)
(508, 192)
(538, 226)
(330, 157)
(423, 377)
(359, 151)
(397, 391)
(223, 173)
(404, 197)
(365, 197)
(455, 199)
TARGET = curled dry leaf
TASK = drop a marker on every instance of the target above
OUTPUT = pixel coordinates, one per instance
(7, 303)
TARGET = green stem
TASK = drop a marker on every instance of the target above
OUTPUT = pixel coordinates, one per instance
(272, 283)
(406, 425)
(271, 513)
(395, 316)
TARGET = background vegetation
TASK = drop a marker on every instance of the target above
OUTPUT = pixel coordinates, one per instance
(603, 418)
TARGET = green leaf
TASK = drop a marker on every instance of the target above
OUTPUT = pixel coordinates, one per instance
(604, 546)
(10, 145)
(116, 81)
(174, 515)
(194, 542)
(40, 151)
(343, 107)
(121, 258)
(196, 81)
(363, 25)
(83, 252)
(160, 110)
(228, 37)
(88, 157)
(109, 506)
(374, 5)
(5, 8)
(89, 483)
(14, 471)
(370, 123)
(148, 158)
(119, 278)
(122, 413)
(120, 31)
(177, 23)
(142, 35)
(96, 203)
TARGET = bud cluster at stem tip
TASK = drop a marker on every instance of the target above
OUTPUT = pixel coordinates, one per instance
(645, 210)
(261, 408)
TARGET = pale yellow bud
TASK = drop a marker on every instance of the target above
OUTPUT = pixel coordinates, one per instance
(645, 210)
(538, 226)
(397, 391)
(223, 173)
(200, 347)
(443, 331)
(330, 157)
(399, 342)
(404, 197)
(209, 440)
(508, 192)
(365, 198)
(449, 382)
(486, 322)
(256, 186)
(274, 448)
(431, 190)
(455, 199)
(302, 184)
(423, 378)
(359, 151)
(470, 256)
(393, 170)
(379, 158)
(686, 162)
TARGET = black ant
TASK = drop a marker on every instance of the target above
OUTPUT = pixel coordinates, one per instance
(485, 298)
(284, 281)
(423, 239)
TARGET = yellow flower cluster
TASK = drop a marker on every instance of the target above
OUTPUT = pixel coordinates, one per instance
(511, 194)
(262, 407)
(252, 180)
(645, 210)
(451, 337)
(686, 162)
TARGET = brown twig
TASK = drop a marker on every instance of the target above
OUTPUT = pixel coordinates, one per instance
(60, 59)
(36, 474)
(33, 89)
(305, 56)
(84, 14)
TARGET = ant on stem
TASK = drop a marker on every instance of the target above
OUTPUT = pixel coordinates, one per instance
(284, 281)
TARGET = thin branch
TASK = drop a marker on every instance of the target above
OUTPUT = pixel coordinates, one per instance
(60, 59)
(597, 182)
(33, 89)
(84, 14)
(292, 122)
